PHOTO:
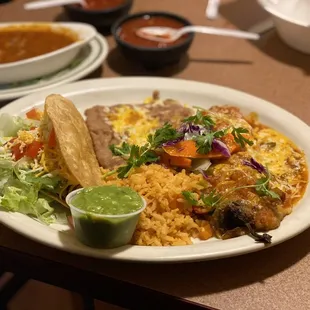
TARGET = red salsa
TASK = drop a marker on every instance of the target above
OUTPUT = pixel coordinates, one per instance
(94, 5)
(127, 31)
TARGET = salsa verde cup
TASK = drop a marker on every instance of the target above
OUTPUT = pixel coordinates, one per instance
(100, 230)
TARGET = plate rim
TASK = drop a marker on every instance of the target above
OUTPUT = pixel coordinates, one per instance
(98, 60)
(127, 253)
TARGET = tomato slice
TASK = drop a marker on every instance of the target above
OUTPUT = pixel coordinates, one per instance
(33, 149)
(17, 152)
(52, 139)
(33, 114)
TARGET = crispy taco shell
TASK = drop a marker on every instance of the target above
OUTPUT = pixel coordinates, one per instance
(73, 140)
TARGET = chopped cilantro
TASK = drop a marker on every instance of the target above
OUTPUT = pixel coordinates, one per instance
(211, 199)
(136, 156)
(239, 138)
(204, 142)
(200, 119)
(262, 187)
(163, 135)
(190, 198)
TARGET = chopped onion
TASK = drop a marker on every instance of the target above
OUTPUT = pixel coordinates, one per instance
(203, 174)
(201, 163)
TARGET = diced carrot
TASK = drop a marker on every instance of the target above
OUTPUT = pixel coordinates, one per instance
(165, 159)
(169, 161)
(182, 162)
(33, 114)
(189, 149)
(184, 149)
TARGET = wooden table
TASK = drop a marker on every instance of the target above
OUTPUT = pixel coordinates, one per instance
(277, 278)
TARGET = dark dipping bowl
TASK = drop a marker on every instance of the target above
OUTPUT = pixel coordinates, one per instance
(152, 57)
(99, 18)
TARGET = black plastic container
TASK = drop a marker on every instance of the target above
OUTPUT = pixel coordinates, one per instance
(98, 18)
(153, 57)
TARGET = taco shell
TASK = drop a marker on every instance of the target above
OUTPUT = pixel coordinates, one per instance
(73, 140)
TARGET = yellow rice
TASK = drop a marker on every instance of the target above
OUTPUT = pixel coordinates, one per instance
(167, 219)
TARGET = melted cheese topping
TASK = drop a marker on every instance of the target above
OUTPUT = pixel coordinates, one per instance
(283, 159)
(132, 124)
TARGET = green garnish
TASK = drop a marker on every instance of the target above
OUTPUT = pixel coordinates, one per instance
(262, 187)
(190, 198)
(163, 135)
(136, 156)
(239, 138)
(204, 142)
(200, 119)
(211, 199)
(122, 150)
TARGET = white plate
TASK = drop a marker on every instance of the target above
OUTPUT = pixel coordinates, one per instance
(89, 59)
(127, 90)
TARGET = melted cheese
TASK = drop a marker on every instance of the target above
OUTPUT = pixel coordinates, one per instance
(282, 158)
(132, 124)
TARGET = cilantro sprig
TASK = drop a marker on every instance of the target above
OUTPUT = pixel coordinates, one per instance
(208, 200)
(189, 196)
(163, 135)
(239, 138)
(200, 119)
(136, 156)
(262, 188)
(204, 142)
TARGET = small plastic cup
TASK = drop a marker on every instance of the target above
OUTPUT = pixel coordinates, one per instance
(103, 231)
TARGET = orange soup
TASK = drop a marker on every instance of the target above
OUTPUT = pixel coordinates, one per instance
(27, 41)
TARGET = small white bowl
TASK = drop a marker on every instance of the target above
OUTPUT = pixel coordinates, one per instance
(45, 64)
(293, 32)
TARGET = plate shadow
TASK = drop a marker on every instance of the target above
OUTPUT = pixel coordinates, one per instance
(118, 63)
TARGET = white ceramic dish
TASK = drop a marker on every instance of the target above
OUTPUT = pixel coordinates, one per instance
(90, 57)
(48, 63)
(294, 31)
(127, 90)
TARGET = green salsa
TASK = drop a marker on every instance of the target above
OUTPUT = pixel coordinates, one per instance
(108, 200)
(103, 215)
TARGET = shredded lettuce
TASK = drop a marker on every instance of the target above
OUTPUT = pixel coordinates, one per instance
(6, 172)
(22, 197)
(26, 174)
(22, 187)
(10, 125)
(20, 191)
